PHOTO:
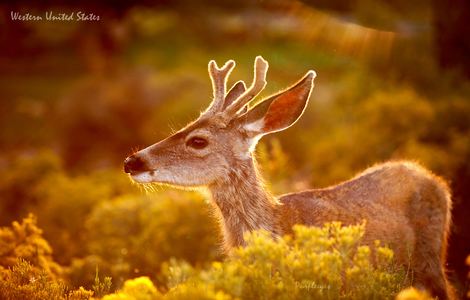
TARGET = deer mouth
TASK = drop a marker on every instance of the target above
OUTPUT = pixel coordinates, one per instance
(142, 176)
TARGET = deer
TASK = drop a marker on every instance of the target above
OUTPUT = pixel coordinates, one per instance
(403, 204)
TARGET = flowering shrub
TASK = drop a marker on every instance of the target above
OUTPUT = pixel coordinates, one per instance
(24, 281)
(24, 242)
(18, 184)
(140, 288)
(27, 270)
(413, 294)
(317, 263)
(133, 235)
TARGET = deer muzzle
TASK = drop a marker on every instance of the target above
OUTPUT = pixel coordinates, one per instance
(134, 164)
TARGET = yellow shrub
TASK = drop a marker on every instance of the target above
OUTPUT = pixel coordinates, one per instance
(317, 263)
(24, 241)
(140, 288)
(133, 235)
(413, 294)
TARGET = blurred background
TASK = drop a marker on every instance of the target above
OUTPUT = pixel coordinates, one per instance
(77, 97)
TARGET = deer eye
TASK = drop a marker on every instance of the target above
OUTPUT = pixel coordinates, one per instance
(197, 143)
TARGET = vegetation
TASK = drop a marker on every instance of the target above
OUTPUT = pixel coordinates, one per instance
(317, 263)
(314, 263)
(27, 270)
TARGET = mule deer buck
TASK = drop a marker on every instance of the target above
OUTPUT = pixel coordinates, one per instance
(404, 205)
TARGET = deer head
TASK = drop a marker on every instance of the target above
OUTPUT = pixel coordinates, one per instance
(224, 135)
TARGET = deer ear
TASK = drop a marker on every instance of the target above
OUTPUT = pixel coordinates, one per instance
(280, 111)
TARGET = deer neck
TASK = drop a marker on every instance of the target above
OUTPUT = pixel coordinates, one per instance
(244, 204)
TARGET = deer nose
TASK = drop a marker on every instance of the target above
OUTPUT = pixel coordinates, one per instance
(134, 164)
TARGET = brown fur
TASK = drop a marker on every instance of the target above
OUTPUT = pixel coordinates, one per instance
(404, 205)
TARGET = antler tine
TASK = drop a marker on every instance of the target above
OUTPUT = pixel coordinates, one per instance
(259, 82)
(219, 81)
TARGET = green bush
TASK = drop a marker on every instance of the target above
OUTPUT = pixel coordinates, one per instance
(24, 241)
(133, 235)
(66, 202)
(24, 281)
(140, 288)
(317, 263)
(413, 294)
(38, 183)
(275, 166)
(27, 270)
(19, 180)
